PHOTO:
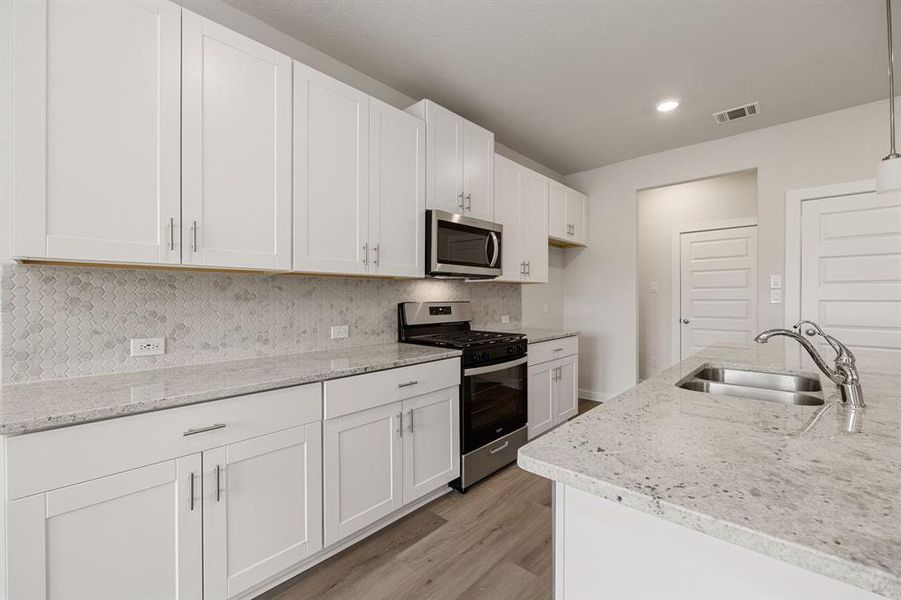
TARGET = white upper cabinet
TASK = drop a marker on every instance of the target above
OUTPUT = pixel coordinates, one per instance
(567, 216)
(331, 175)
(236, 139)
(96, 105)
(396, 191)
(521, 201)
(459, 162)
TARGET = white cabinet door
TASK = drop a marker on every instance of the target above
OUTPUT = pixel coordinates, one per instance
(236, 139)
(431, 442)
(96, 162)
(566, 388)
(444, 158)
(542, 412)
(396, 191)
(478, 171)
(362, 469)
(331, 175)
(135, 534)
(556, 211)
(576, 216)
(508, 212)
(534, 225)
(262, 508)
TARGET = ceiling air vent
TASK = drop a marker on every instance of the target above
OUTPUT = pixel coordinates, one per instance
(739, 112)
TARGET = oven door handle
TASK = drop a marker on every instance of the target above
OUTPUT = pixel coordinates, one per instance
(491, 368)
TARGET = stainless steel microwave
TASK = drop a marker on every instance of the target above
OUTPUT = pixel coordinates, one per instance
(462, 247)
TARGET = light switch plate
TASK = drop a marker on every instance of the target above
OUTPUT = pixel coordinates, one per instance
(775, 296)
(654, 287)
(505, 318)
(339, 332)
(775, 282)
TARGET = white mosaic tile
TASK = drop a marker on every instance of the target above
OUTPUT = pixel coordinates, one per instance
(73, 321)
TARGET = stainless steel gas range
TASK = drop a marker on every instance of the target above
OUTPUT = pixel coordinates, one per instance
(493, 399)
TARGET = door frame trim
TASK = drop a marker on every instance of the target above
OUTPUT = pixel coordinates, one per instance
(793, 205)
(676, 272)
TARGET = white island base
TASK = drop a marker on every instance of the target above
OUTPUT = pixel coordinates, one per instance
(603, 550)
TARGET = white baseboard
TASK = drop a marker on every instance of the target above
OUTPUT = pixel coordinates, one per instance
(594, 395)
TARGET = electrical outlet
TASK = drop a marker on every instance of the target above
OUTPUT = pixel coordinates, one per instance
(654, 287)
(339, 332)
(775, 282)
(775, 296)
(505, 318)
(148, 346)
(653, 362)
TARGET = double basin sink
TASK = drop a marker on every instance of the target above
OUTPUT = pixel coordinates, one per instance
(758, 385)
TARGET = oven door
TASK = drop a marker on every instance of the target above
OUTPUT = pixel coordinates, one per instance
(458, 246)
(495, 402)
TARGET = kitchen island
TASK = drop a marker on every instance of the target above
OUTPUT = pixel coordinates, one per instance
(667, 492)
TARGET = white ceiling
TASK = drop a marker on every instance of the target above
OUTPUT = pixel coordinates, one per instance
(573, 84)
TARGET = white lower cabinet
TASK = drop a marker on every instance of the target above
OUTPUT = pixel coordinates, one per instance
(553, 384)
(135, 534)
(378, 459)
(262, 508)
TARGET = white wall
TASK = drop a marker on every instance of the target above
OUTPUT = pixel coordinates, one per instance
(542, 303)
(659, 210)
(601, 282)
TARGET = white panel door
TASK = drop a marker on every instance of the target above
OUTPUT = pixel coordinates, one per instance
(534, 225)
(96, 161)
(542, 411)
(478, 171)
(508, 212)
(556, 211)
(135, 534)
(444, 158)
(362, 469)
(262, 504)
(236, 139)
(851, 268)
(576, 216)
(718, 288)
(396, 191)
(331, 175)
(566, 388)
(431, 442)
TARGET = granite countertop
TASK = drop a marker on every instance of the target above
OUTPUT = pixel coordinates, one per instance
(534, 334)
(786, 481)
(30, 407)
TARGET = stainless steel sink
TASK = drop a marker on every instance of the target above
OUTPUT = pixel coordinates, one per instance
(758, 385)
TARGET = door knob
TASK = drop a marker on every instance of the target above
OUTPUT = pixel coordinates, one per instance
(685, 321)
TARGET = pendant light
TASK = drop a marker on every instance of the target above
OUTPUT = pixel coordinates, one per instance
(888, 175)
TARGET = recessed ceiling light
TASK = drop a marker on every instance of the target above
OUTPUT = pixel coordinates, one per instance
(667, 105)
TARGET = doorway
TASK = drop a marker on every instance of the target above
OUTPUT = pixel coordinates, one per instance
(700, 205)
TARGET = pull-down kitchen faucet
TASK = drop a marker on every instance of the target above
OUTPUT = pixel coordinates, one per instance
(844, 374)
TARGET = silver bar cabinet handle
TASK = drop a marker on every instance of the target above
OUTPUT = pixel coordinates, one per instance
(171, 233)
(375, 257)
(213, 427)
(462, 202)
(469, 202)
(366, 254)
(194, 236)
(411, 421)
(400, 424)
(408, 384)
(218, 486)
(191, 501)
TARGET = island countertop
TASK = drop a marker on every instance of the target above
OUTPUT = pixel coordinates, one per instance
(30, 407)
(787, 481)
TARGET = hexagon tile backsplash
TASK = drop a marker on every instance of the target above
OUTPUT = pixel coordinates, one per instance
(74, 321)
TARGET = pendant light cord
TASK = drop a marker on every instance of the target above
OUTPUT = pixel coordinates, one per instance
(891, 81)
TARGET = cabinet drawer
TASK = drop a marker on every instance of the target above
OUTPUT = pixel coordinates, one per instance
(353, 394)
(545, 351)
(47, 460)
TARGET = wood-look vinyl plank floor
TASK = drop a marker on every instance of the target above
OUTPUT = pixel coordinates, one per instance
(494, 542)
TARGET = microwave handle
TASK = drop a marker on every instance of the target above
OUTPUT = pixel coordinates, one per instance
(492, 258)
